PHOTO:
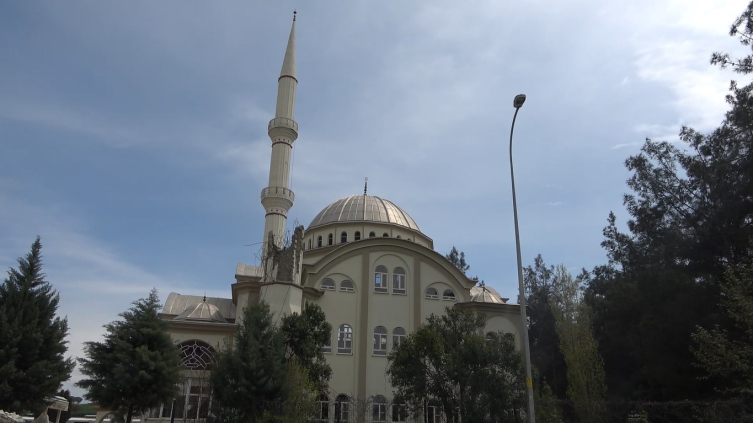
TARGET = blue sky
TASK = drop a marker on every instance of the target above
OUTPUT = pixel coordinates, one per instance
(133, 135)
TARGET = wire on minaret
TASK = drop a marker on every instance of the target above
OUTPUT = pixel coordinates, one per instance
(365, 185)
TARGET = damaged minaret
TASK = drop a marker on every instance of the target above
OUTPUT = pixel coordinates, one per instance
(281, 264)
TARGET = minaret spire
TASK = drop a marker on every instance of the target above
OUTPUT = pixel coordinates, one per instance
(277, 198)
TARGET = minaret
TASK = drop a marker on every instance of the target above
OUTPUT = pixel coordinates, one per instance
(277, 198)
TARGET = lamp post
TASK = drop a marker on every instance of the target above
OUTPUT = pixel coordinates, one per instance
(518, 103)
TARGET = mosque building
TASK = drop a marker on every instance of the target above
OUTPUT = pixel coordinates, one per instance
(362, 259)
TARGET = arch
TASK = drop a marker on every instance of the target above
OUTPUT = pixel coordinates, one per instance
(342, 408)
(398, 237)
(327, 285)
(330, 239)
(372, 234)
(398, 336)
(380, 279)
(398, 281)
(432, 294)
(196, 355)
(385, 235)
(357, 236)
(379, 410)
(380, 340)
(343, 237)
(490, 336)
(323, 411)
(449, 295)
(319, 241)
(347, 286)
(345, 339)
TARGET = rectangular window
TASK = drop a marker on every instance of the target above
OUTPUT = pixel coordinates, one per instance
(397, 340)
(433, 415)
(327, 347)
(379, 414)
(380, 282)
(399, 413)
(380, 344)
(345, 341)
(398, 284)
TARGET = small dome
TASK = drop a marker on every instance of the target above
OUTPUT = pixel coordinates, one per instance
(364, 208)
(486, 295)
(202, 311)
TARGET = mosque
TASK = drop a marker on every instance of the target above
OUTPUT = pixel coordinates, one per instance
(362, 259)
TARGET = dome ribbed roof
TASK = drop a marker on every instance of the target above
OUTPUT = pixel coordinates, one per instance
(364, 208)
(202, 311)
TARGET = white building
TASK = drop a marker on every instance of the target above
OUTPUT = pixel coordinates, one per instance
(363, 259)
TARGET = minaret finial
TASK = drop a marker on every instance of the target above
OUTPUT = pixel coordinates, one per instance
(365, 185)
(205, 297)
(294, 13)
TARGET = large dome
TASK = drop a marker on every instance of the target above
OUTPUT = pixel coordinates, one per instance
(364, 208)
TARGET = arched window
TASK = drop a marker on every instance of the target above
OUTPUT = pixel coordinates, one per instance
(342, 408)
(398, 281)
(432, 294)
(327, 347)
(327, 285)
(345, 340)
(398, 336)
(448, 295)
(385, 235)
(358, 236)
(398, 237)
(399, 412)
(319, 241)
(490, 336)
(330, 239)
(343, 237)
(310, 243)
(372, 234)
(196, 355)
(379, 410)
(323, 414)
(380, 279)
(347, 286)
(380, 340)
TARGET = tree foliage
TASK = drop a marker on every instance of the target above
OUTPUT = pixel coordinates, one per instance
(457, 258)
(473, 378)
(728, 353)
(743, 29)
(305, 333)
(545, 351)
(136, 367)
(32, 337)
(586, 386)
(250, 375)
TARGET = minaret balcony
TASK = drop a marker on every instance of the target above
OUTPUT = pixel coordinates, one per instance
(283, 127)
(277, 197)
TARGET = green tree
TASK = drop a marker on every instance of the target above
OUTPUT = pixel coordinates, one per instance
(473, 378)
(305, 333)
(727, 354)
(457, 258)
(250, 377)
(586, 387)
(742, 28)
(547, 410)
(32, 337)
(546, 355)
(137, 365)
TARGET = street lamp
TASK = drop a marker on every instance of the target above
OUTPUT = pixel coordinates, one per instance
(518, 103)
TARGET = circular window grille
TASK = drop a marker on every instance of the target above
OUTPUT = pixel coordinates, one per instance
(196, 355)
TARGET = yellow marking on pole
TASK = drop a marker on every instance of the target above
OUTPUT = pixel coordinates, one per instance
(528, 382)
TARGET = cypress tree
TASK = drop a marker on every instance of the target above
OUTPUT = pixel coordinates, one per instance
(250, 378)
(137, 365)
(32, 337)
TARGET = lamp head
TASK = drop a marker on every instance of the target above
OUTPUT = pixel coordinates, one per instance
(519, 100)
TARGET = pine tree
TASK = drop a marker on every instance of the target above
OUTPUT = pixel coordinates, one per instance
(137, 365)
(458, 259)
(250, 377)
(32, 338)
